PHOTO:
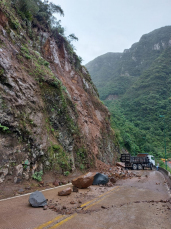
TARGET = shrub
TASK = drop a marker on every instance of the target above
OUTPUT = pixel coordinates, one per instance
(38, 176)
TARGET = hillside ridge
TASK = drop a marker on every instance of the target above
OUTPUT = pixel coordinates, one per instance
(137, 91)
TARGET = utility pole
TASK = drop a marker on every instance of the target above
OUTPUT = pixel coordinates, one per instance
(162, 116)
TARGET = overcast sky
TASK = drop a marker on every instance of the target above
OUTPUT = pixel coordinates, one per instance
(111, 25)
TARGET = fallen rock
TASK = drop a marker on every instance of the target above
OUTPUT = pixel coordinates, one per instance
(72, 202)
(64, 182)
(109, 184)
(41, 182)
(20, 190)
(100, 178)
(45, 207)
(65, 192)
(75, 189)
(84, 181)
(56, 183)
(28, 187)
(112, 180)
(51, 206)
(121, 164)
(37, 199)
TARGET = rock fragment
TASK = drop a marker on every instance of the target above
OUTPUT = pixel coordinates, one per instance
(75, 189)
(121, 164)
(45, 207)
(56, 183)
(65, 192)
(112, 180)
(72, 202)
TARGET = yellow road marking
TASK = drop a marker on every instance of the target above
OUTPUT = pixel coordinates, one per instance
(46, 224)
(98, 197)
(63, 221)
(106, 194)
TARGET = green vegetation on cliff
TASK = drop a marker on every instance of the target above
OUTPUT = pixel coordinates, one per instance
(51, 116)
(137, 90)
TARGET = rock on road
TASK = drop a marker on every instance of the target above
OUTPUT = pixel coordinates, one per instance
(136, 203)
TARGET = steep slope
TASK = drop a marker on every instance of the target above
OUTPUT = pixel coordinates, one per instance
(136, 99)
(50, 115)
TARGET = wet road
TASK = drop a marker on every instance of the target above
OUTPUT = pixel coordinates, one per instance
(132, 203)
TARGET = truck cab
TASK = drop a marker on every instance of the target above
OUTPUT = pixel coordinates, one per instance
(151, 158)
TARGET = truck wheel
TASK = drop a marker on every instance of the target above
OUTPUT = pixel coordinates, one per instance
(134, 166)
(140, 167)
(151, 167)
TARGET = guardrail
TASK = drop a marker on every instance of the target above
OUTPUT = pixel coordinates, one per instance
(166, 175)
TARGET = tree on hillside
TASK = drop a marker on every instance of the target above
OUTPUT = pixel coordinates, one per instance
(42, 11)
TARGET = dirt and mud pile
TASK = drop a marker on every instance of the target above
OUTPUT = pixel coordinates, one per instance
(50, 115)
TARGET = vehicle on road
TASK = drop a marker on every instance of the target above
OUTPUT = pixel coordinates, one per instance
(139, 162)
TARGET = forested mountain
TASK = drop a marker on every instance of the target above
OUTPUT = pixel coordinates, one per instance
(137, 91)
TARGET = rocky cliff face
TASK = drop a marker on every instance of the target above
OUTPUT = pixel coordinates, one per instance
(50, 115)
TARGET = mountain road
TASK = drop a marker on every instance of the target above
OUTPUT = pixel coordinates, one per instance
(140, 202)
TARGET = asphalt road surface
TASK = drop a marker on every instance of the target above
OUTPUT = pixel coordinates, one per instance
(137, 203)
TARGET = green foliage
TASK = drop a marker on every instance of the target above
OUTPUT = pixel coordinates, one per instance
(66, 173)
(25, 52)
(163, 165)
(81, 157)
(40, 14)
(13, 24)
(72, 37)
(136, 87)
(26, 8)
(82, 167)
(58, 158)
(42, 61)
(4, 128)
(1, 71)
(38, 176)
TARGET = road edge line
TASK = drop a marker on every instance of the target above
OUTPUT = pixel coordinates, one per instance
(69, 184)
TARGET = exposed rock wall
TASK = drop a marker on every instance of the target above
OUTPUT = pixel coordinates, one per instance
(50, 113)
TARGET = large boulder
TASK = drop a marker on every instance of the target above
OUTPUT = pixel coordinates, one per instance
(37, 199)
(84, 181)
(100, 178)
